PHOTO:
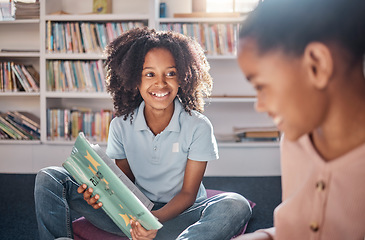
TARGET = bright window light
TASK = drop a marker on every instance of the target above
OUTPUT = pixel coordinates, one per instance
(231, 5)
(245, 5)
(220, 5)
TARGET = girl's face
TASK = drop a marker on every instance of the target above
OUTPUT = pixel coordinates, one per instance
(283, 89)
(159, 84)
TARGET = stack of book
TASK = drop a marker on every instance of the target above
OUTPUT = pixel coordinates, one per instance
(27, 10)
(257, 134)
(19, 126)
(18, 77)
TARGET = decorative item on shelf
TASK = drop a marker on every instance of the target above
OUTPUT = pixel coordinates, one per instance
(257, 133)
(102, 6)
(6, 11)
(163, 10)
(199, 6)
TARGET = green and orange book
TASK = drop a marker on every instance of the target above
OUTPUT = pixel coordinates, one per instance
(121, 199)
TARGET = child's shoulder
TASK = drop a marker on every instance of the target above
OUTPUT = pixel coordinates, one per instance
(195, 118)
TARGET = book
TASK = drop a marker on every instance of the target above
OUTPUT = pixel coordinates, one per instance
(122, 200)
(258, 133)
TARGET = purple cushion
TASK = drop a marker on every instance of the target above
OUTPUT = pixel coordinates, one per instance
(84, 230)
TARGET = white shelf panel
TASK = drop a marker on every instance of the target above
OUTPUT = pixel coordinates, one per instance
(21, 21)
(248, 144)
(98, 17)
(20, 54)
(99, 95)
(70, 142)
(19, 142)
(22, 94)
(231, 99)
(202, 20)
(76, 56)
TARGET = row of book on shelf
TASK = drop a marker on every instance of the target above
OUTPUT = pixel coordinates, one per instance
(82, 76)
(93, 37)
(84, 37)
(19, 125)
(251, 134)
(215, 38)
(65, 124)
(18, 77)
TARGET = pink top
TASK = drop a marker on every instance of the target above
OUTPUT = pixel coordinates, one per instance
(321, 200)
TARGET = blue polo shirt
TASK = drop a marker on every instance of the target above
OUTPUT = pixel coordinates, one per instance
(158, 162)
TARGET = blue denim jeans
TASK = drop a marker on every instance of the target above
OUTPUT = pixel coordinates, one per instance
(219, 217)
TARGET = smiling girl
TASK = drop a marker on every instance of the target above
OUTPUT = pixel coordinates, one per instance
(159, 139)
(305, 58)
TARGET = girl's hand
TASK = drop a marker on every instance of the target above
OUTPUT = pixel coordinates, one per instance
(87, 192)
(140, 233)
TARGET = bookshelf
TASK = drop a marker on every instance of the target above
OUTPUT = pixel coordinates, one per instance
(15, 48)
(232, 103)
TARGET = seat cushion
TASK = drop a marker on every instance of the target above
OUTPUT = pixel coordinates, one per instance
(84, 230)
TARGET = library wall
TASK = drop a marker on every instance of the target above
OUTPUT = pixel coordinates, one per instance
(232, 104)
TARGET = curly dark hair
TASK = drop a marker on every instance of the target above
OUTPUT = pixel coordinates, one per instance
(124, 64)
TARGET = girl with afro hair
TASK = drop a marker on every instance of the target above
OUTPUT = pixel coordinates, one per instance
(160, 140)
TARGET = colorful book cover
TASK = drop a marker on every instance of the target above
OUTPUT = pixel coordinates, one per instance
(90, 165)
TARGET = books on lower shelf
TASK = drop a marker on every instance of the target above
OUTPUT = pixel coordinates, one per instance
(215, 38)
(16, 77)
(19, 126)
(257, 133)
(65, 124)
(76, 76)
(121, 199)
